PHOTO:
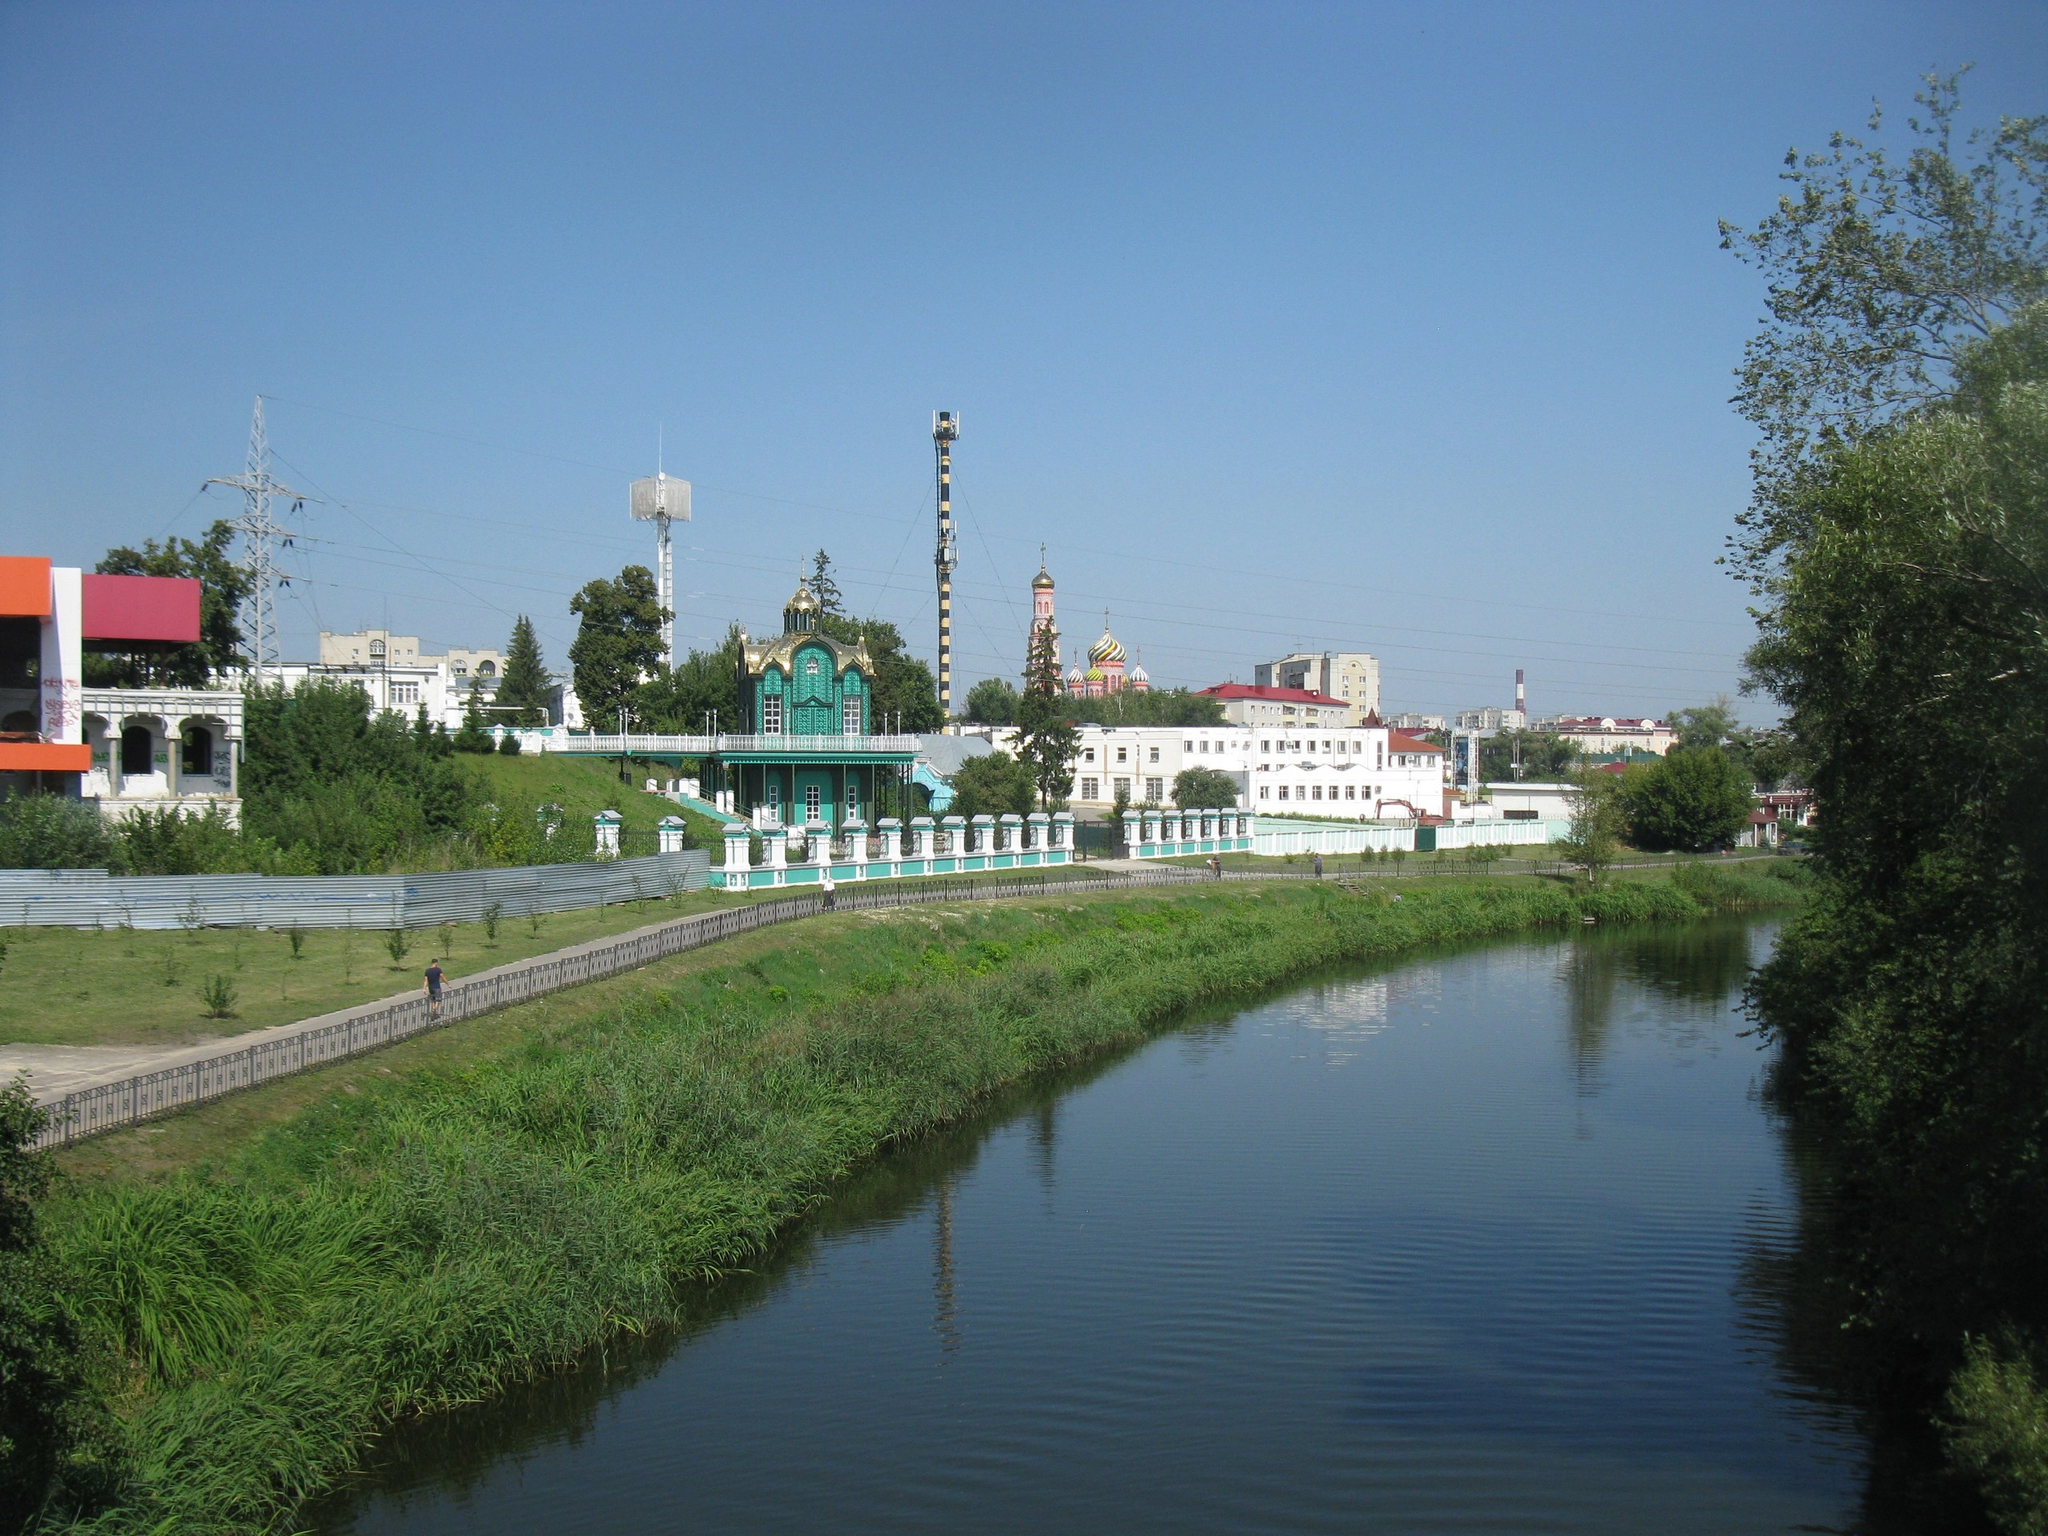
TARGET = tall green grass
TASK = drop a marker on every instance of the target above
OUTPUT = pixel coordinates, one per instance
(425, 1245)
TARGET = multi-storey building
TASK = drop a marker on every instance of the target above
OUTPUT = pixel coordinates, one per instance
(1352, 676)
(127, 749)
(1353, 773)
(397, 675)
(1253, 704)
(1608, 735)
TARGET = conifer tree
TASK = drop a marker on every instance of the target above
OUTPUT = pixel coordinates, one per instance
(523, 690)
(1046, 738)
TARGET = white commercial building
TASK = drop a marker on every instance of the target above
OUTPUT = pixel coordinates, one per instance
(1352, 676)
(1608, 735)
(1490, 720)
(1253, 704)
(1355, 773)
(396, 675)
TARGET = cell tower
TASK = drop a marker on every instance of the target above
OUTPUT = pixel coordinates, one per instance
(264, 534)
(662, 499)
(945, 428)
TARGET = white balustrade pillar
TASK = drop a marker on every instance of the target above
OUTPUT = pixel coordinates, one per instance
(670, 832)
(607, 824)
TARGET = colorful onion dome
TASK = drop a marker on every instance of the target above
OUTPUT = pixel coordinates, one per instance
(1106, 650)
(1139, 675)
(1092, 675)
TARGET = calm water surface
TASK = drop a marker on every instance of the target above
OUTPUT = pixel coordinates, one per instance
(1471, 1244)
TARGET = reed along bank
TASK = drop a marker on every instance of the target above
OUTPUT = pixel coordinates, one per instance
(248, 1325)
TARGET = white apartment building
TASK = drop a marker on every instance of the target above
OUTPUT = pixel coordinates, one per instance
(397, 675)
(1491, 721)
(1413, 723)
(1353, 773)
(1255, 704)
(1352, 676)
(1607, 735)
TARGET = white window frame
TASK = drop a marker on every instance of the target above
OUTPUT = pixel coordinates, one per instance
(849, 716)
(1091, 789)
(771, 715)
(814, 803)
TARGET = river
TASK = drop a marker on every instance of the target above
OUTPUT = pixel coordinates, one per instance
(1483, 1241)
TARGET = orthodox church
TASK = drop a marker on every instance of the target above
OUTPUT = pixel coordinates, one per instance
(1106, 672)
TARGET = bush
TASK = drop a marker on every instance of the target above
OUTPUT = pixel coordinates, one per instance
(54, 832)
(508, 746)
(219, 994)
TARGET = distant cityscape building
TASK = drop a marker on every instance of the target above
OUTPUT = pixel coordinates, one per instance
(1252, 704)
(1353, 676)
(1605, 735)
(1491, 721)
(395, 674)
(1415, 722)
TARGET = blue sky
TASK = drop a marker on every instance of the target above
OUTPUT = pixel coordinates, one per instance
(1393, 328)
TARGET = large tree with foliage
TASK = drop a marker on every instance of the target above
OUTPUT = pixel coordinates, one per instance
(1898, 543)
(55, 1438)
(1153, 706)
(704, 686)
(525, 687)
(905, 689)
(1883, 271)
(1597, 820)
(617, 645)
(1546, 757)
(993, 785)
(1046, 738)
(1196, 789)
(1690, 799)
(223, 587)
(824, 588)
(992, 701)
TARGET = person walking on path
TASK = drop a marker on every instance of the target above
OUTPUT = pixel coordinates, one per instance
(1319, 866)
(827, 887)
(435, 976)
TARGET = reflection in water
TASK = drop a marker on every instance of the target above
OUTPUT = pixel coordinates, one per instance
(1358, 1257)
(1677, 978)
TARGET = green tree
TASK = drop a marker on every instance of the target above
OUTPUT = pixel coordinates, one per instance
(1596, 821)
(1155, 706)
(1693, 798)
(1546, 757)
(1882, 273)
(525, 688)
(54, 1435)
(705, 685)
(223, 587)
(992, 701)
(824, 588)
(1046, 738)
(55, 832)
(993, 785)
(618, 644)
(905, 688)
(474, 735)
(1197, 789)
(1711, 724)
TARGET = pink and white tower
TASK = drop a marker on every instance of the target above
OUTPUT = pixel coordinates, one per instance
(1041, 610)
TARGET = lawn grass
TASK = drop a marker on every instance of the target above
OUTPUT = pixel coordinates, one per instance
(123, 986)
(417, 1228)
(583, 786)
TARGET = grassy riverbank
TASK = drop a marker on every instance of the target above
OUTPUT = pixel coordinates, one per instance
(418, 1243)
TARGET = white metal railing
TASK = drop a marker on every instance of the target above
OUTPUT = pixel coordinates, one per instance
(706, 746)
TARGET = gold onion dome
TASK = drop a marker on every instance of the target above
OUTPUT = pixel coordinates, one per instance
(1105, 650)
(1041, 581)
(803, 601)
(1092, 675)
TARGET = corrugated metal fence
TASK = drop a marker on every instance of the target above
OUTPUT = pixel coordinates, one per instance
(90, 898)
(108, 1106)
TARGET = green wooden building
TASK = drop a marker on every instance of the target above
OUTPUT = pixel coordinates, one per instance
(807, 753)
